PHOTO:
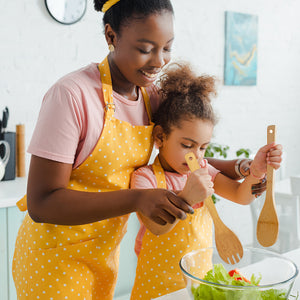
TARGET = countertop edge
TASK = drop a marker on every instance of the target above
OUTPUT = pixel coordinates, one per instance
(8, 202)
(12, 191)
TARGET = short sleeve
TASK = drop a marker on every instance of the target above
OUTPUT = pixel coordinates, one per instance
(143, 178)
(212, 171)
(58, 128)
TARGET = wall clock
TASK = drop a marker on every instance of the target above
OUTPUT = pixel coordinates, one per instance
(66, 11)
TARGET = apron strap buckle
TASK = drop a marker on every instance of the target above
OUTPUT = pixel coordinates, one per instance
(109, 106)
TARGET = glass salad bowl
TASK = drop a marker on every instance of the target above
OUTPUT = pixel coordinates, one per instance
(259, 275)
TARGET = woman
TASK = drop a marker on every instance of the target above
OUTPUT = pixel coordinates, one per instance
(93, 130)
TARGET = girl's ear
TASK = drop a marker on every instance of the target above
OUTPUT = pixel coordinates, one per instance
(158, 136)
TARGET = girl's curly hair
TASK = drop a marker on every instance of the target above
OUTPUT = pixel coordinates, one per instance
(185, 96)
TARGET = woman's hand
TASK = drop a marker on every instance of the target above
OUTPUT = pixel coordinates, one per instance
(270, 154)
(198, 187)
(162, 206)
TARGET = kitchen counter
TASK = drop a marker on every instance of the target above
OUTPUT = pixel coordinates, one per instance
(11, 191)
(294, 255)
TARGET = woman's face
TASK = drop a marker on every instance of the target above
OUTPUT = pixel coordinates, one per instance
(143, 48)
(192, 136)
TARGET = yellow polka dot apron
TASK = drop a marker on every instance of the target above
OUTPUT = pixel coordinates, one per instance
(158, 272)
(81, 262)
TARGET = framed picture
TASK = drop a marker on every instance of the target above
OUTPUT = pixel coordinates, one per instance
(240, 49)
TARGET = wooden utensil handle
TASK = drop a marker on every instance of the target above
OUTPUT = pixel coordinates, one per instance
(193, 164)
(271, 136)
(213, 211)
(20, 150)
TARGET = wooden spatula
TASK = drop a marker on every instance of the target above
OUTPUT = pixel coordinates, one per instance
(228, 245)
(267, 224)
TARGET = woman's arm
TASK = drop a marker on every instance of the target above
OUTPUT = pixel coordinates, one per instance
(197, 188)
(227, 167)
(50, 201)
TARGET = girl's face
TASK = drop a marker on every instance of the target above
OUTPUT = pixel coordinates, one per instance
(143, 48)
(192, 136)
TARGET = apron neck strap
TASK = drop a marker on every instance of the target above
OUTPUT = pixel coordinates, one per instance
(147, 104)
(159, 174)
(107, 89)
(106, 85)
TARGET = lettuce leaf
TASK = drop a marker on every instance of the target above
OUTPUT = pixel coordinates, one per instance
(219, 275)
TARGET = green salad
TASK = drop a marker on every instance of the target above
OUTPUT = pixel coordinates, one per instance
(219, 275)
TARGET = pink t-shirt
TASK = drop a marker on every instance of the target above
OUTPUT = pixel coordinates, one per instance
(71, 118)
(144, 178)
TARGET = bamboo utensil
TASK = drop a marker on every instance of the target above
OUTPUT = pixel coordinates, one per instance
(228, 245)
(267, 224)
(20, 150)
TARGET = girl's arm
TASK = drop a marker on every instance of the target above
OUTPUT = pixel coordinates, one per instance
(50, 201)
(241, 192)
(233, 190)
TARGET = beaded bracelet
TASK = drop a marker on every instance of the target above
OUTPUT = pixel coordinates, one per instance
(237, 168)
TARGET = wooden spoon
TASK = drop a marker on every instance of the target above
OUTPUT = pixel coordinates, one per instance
(267, 224)
(228, 245)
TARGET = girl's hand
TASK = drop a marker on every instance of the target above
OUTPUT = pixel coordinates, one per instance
(198, 187)
(270, 154)
(162, 206)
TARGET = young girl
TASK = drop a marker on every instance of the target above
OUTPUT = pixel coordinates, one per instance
(184, 123)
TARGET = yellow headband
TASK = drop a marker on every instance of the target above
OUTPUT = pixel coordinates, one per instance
(108, 4)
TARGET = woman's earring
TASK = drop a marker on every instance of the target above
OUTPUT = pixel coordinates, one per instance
(111, 48)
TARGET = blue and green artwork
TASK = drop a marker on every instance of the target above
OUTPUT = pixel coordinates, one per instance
(240, 49)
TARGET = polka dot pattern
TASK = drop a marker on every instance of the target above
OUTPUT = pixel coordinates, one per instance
(110, 167)
(158, 272)
(81, 262)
